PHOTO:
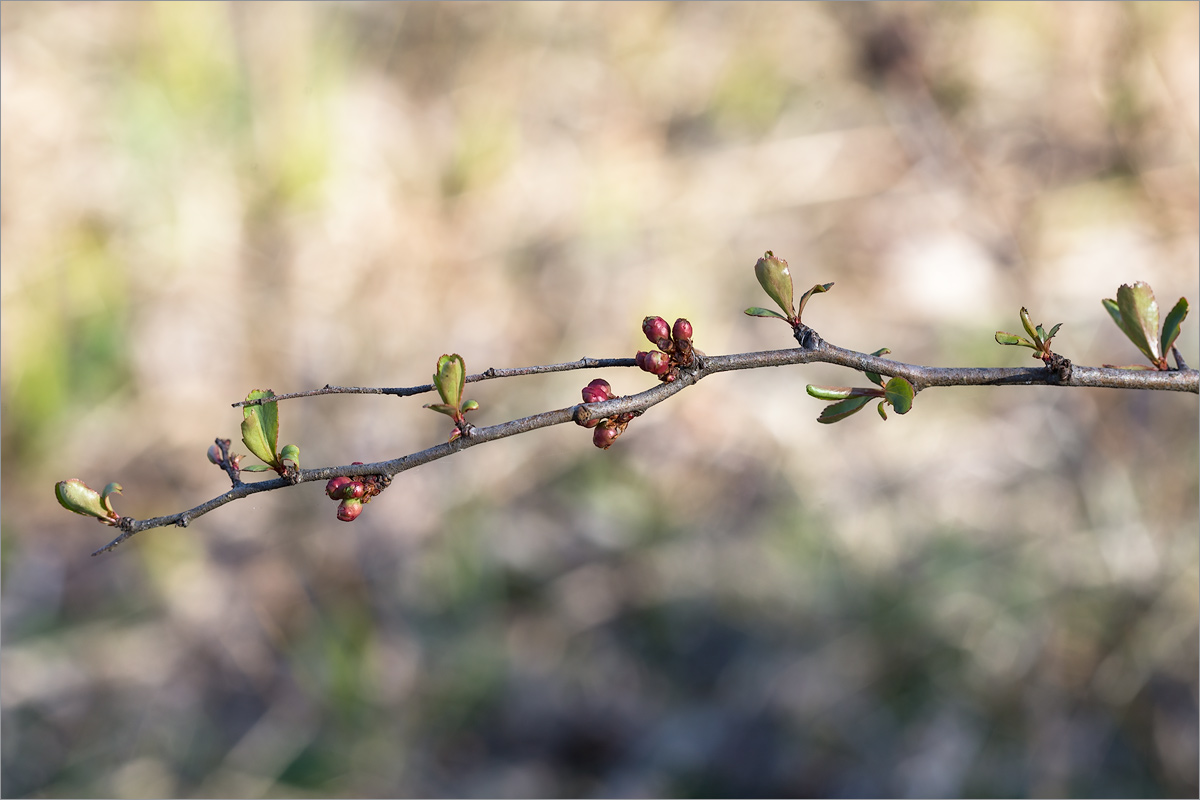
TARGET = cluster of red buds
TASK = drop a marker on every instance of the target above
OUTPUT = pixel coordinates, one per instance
(607, 429)
(352, 492)
(674, 348)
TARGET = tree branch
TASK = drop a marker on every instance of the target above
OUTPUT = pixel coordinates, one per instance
(921, 377)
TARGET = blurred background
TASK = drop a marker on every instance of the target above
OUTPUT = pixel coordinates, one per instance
(994, 595)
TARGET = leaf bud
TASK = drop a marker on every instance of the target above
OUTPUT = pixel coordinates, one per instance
(214, 455)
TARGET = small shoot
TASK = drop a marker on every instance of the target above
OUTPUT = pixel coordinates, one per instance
(897, 393)
(449, 381)
(260, 434)
(1135, 311)
(776, 280)
(1039, 338)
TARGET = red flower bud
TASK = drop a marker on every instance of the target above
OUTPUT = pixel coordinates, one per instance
(682, 330)
(597, 391)
(337, 486)
(605, 435)
(354, 490)
(349, 509)
(657, 331)
(214, 454)
(654, 362)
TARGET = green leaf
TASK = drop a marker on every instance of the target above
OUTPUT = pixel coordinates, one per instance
(257, 468)
(290, 455)
(829, 392)
(1041, 334)
(1171, 324)
(109, 491)
(755, 311)
(1139, 317)
(443, 408)
(1113, 311)
(450, 377)
(1008, 338)
(874, 377)
(470, 405)
(260, 426)
(839, 411)
(899, 393)
(75, 495)
(881, 411)
(1053, 331)
(1028, 323)
(820, 288)
(776, 280)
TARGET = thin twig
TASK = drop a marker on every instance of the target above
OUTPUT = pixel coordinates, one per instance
(921, 377)
(487, 374)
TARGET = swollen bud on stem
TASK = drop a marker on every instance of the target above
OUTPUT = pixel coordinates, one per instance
(654, 362)
(657, 331)
(349, 509)
(605, 435)
(597, 391)
(682, 331)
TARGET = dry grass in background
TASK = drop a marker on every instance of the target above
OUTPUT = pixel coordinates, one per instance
(994, 595)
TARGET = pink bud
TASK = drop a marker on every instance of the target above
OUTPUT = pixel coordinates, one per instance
(682, 330)
(348, 510)
(354, 490)
(654, 362)
(214, 454)
(657, 331)
(605, 435)
(337, 487)
(597, 391)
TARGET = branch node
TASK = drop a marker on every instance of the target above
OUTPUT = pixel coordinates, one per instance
(806, 337)
(1059, 368)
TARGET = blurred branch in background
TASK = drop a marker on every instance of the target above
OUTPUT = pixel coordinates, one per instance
(998, 596)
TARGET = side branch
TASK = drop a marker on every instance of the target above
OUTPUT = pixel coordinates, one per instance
(487, 374)
(921, 377)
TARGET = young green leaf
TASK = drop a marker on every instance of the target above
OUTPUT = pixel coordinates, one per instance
(1008, 338)
(899, 393)
(1139, 317)
(820, 288)
(450, 377)
(1170, 331)
(290, 456)
(75, 495)
(874, 377)
(109, 491)
(776, 280)
(881, 410)
(1028, 324)
(260, 426)
(443, 408)
(839, 411)
(755, 311)
(1052, 332)
(829, 392)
